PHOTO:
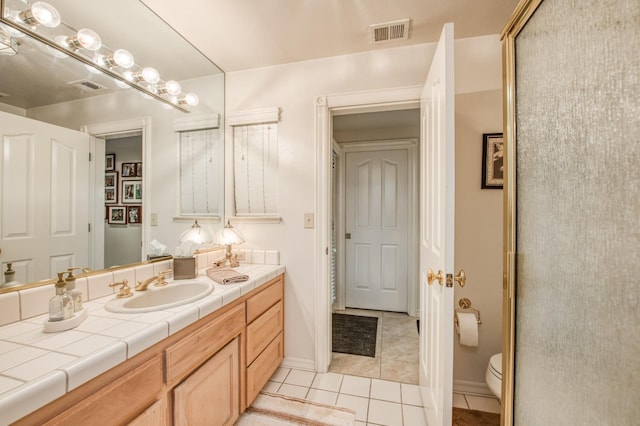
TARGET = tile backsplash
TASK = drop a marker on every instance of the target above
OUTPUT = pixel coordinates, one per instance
(31, 302)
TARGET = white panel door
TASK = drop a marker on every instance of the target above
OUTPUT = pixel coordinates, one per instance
(44, 180)
(377, 221)
(436, 233)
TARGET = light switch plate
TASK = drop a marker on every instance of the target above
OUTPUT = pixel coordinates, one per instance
(154, 219)
(308, 221)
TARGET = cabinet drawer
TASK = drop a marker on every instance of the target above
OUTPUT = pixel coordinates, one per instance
(263, 367)
(264, 300)
(190, 352)
(120, 401)
(262, 331)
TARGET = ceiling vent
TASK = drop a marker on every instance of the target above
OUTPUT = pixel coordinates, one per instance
(87, 85)
(390, 31)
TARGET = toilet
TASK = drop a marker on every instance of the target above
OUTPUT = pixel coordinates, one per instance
(493, 376)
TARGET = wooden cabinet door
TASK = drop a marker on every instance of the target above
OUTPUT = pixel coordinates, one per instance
(211, 395)
(152, 416)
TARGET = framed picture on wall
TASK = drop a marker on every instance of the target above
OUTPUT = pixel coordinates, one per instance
(134, 214)
(110, 162)
(131, 191)
(111, 187)
(128, 170)
(492, 161)
(138, 169)
(117, 215)
(111, 195)
(111, 179)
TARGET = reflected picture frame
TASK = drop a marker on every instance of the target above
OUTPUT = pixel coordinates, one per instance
(111, 187)
(134, 214)
(131, 191)
(110, 162)
(492, 161)
(117, 215)
(128, 170)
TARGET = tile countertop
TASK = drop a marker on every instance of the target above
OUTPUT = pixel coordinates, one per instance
(37, 367)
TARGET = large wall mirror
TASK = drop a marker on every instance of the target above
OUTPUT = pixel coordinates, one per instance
(128, 102)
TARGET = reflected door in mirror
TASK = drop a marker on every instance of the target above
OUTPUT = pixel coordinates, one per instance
(45, 186)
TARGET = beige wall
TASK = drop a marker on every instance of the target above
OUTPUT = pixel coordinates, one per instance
(294, 88)
(478, 236)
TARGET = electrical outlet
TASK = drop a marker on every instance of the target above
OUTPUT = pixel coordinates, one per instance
(154, 219)
(308, 220)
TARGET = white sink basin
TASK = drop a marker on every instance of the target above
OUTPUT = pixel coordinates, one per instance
(175, 293)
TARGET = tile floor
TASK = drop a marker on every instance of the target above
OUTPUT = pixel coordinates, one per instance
(376, 402)
(381, 390)
(397, 347)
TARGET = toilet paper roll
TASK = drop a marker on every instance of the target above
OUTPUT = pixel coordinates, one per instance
(468, 328)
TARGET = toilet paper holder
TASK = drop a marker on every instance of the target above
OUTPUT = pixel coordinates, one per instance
(465, 306)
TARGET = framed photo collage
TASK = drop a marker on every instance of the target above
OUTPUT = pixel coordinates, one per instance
(122, 192)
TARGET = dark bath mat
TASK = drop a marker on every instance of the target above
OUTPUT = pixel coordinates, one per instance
(463, 417)
(354, 334)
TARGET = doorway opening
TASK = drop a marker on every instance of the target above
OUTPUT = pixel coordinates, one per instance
(374, 221)
(126, 191)
(123, 227)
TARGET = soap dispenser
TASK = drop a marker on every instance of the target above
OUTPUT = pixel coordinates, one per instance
(60, 305)
(9, 276)
(72, 291)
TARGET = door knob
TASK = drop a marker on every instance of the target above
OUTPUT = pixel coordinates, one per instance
(431, 276)
(461, 278)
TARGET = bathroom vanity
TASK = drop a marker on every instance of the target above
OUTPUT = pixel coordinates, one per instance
(219, 361)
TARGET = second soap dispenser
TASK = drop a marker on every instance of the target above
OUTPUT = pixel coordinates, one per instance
(60, 305)
(72, 291)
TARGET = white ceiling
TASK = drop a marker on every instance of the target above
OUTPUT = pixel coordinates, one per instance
(244, 34)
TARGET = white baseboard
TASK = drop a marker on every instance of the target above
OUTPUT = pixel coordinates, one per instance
(298, 363)
(472, 388)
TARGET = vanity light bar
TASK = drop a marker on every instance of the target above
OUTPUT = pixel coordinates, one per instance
(85, 46)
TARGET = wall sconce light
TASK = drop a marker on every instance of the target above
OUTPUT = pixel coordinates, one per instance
(229, 236)
(196, 234)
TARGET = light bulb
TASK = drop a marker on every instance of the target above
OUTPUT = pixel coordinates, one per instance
(171, 87)
(129, 76)
(86, 38)
(60, 41)
(41, 13)
(150, 75)
(123, 58)
(120, 57)
(191, 99)
(121, 84)
(92, 70)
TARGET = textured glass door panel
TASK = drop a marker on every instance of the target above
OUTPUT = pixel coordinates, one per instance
(578, 209)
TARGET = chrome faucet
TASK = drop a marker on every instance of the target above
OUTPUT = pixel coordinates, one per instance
(160, 278)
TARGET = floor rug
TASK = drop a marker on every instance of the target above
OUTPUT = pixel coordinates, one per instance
(354, 334)
(463, 417)
(270, 410)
